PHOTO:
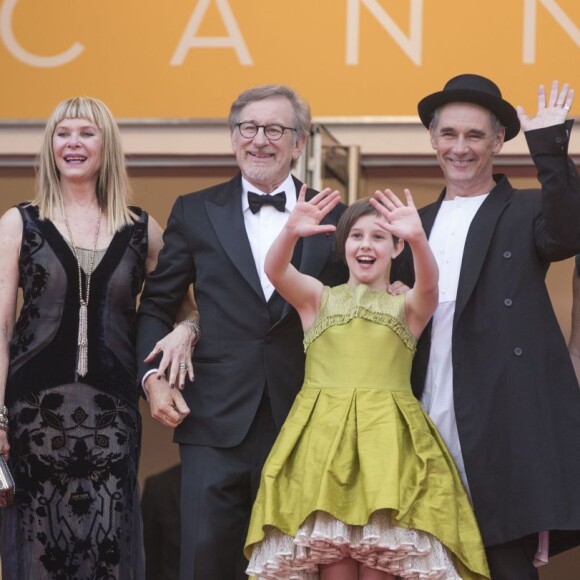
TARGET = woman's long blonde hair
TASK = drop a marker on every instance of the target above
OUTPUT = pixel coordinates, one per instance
(113, 189)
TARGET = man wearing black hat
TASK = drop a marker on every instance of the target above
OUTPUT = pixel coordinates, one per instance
(492, 370)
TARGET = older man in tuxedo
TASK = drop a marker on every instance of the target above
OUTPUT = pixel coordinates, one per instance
(492, 370)
(249, 363)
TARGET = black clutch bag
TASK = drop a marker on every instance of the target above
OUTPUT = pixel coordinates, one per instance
(6, 484)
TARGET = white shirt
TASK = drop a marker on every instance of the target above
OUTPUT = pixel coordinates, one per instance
(447, 240)
(263, 227)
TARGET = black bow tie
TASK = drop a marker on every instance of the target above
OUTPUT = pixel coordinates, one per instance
(256, 201)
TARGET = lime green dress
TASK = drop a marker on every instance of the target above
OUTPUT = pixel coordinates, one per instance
(358, 469)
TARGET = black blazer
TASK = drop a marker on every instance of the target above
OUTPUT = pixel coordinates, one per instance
(248, 344)
(517, 401)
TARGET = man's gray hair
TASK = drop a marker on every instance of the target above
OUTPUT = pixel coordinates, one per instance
(302, 116)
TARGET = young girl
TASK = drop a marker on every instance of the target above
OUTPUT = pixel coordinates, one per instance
(359, 483)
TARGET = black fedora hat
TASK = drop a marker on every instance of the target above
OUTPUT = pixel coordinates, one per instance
(469, 88)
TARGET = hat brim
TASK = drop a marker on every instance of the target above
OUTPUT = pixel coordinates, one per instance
(505, 112)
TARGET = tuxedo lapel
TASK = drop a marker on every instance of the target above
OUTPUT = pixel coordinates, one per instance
(226, 217)
(315, 252)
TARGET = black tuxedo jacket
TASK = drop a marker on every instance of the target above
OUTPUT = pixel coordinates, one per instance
(248, 344)
(517, 402)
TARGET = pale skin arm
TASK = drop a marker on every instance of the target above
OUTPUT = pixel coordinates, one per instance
(403, 221)
(552, 112)
(166, 403)
(574, 342)
(301, 291)
(10, 240)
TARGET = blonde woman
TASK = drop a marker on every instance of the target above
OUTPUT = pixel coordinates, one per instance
(69, 416)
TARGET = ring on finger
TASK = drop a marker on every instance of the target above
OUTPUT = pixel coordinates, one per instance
(182, 367)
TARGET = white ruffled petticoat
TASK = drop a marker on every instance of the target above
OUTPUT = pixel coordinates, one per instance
(322, 539)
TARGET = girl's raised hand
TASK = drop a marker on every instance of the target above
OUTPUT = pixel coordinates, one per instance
(306, 216)
(399, 219)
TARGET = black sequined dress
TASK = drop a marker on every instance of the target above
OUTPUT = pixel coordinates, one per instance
(75, 441)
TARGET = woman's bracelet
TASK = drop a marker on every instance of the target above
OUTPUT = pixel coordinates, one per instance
(195, 327)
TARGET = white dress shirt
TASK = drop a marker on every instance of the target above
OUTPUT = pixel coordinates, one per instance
(447, 240)
(263, 227)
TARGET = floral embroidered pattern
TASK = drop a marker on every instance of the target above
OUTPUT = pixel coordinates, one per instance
(33, 279)
(75, 472)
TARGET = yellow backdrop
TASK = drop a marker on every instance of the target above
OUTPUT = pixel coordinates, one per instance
(190, 58)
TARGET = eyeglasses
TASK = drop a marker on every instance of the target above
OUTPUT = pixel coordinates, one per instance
(272, 132)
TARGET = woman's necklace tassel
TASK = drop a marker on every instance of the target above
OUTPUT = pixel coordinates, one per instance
(83, 342)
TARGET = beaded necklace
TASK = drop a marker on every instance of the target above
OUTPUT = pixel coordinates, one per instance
(83, 342)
